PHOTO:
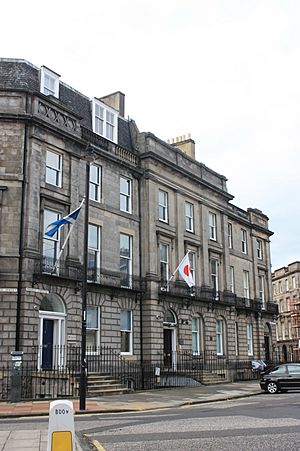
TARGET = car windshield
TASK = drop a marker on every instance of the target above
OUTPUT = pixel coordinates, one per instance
(276, 370)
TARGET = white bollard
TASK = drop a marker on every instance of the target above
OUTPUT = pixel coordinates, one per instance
(61, 430)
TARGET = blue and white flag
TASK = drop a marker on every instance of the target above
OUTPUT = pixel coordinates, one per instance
(55, 226)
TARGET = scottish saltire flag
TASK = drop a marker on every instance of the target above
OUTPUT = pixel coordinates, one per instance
(55, 226)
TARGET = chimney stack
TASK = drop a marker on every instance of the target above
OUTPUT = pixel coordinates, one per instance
(184, 143)
(116, 101)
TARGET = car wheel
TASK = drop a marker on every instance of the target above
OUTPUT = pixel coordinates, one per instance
(272, 388)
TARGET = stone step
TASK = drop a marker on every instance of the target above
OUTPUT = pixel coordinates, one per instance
(99, 376)
(213, 380)
(106, 386)
(107, 392)
(103, 384)
(105, 380)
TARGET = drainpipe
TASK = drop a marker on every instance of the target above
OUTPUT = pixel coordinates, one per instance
(141, 296)
(140, 271)
(21, 236)
(83, 369)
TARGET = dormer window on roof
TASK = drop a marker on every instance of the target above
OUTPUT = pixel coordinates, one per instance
(105, 120)
(49, 82)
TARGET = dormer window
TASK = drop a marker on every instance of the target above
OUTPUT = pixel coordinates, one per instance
(49, 82)
(105, 121)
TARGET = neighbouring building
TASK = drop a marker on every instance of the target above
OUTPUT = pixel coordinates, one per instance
(150, 202)
(286, 293)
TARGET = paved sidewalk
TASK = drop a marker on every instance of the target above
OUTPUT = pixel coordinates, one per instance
(144, 400)
(137, 401)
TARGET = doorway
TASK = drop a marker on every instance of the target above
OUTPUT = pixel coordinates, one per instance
(284, 353)
(267, 342)
(51, 333)
(47, 343)
(170, 324)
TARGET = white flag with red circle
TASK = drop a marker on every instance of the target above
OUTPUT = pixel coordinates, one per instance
(184, 269)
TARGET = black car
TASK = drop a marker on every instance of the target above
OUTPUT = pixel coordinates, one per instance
(281, 378)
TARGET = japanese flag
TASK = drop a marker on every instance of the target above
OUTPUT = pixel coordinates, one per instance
(185, 271)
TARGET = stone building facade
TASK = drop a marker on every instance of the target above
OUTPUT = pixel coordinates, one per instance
(149, 203)
(286, 293)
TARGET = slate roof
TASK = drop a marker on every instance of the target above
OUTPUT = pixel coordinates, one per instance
(20, 74)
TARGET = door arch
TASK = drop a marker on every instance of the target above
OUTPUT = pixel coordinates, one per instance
(170, 327)
(52, 315)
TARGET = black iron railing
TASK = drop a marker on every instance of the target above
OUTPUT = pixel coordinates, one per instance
(48, 266)
(207, 294)
(54, 372)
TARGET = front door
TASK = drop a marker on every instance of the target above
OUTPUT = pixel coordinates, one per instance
(267, 347)
(284, 352)
(51, 340)
(168, 347)
(47, 344)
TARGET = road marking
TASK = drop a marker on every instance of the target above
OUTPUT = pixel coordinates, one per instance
(98, 445)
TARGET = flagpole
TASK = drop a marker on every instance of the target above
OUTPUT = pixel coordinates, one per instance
(65, 242)
(83, 371)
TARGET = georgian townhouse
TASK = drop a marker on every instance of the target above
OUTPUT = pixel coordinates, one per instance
(149, 203)
(286, 294)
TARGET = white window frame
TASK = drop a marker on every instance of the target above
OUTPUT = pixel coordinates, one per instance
(110, 124)
(103, 119)
(214, 275)
(47, 74)
(261, 280)
(96, 250)
(53, 169)
(232, 280)
(230, 241)
(128, 331)
(244, 241)
(163, 206)
(196, 335)
(250, 339)
(95, 185)
(259, 249)
(236, 338)
(212, 225)
(189, 217)
(219, 337)
(164, 263)
(293, 282)
(126, 196)
(286, 285)
(192, 260)
(54, 239)
(128, 259)
(246, 288)
(96, 329)
(282, 329)
(290, 328)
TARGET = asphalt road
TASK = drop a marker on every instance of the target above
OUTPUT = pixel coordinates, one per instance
(265, 422)
(258, 423)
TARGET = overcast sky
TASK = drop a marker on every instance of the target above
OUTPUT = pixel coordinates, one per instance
(228, 72)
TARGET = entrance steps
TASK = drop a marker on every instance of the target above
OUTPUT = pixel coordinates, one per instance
(101, 384)
(210, 378)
